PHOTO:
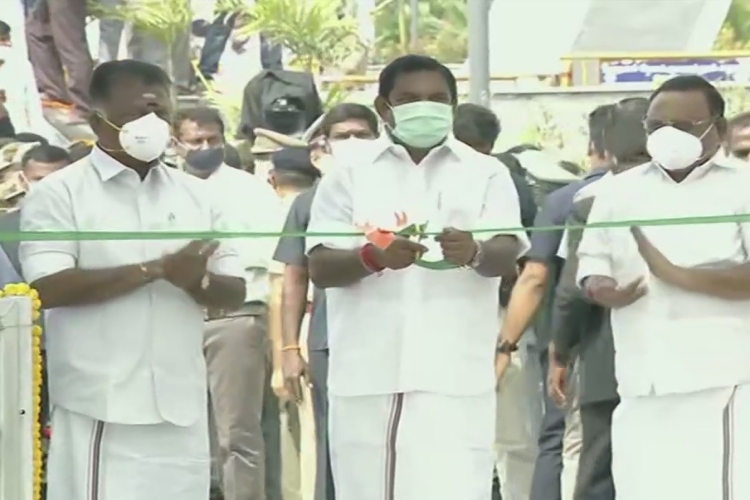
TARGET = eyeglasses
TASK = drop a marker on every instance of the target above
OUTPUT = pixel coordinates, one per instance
(684, 125)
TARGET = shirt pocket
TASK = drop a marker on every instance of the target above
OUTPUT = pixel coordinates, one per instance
(459, 203)
(168, 222)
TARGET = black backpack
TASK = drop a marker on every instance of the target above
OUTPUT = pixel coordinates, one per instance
(284, 101)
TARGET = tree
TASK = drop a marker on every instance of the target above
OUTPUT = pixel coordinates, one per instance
(443, 29)
(735, 33)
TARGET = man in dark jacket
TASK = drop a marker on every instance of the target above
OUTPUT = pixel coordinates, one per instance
(479, 127)
(578, 324)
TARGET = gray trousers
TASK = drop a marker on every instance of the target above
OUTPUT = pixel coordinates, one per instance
(237, 358)
(56, 37)
(142, 46)
(318, 362)
(110, 33)
(175, 60)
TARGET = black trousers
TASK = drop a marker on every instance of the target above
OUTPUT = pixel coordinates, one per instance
(217, 36)
(545, 484)
(594, 481)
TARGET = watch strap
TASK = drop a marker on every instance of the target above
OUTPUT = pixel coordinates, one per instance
(478, 258)
(506, 347)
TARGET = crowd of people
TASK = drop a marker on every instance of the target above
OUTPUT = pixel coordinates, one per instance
(464, 345)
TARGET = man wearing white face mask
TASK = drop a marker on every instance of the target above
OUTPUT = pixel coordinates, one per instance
(413, 322)
(681, 347)
(125, 318)
(302, 338)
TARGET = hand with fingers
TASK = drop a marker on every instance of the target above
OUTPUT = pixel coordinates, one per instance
(187, 267)
(657, 263)
(557, 378)
(399, 254)
(607, 293)
(295, 371)
(459, 247)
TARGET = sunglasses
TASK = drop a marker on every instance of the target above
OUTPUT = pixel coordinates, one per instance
(690, 127)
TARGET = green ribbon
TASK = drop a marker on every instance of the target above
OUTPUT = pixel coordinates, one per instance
(418, 233)
(193, 235)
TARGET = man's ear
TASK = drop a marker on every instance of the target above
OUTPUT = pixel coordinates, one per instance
(721, 128)
(384, 110)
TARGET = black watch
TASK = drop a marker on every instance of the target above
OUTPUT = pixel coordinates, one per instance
(506, 347)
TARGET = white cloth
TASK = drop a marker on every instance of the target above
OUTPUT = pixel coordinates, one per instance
(249, 204)
(412, 446)
(689, 446)
(93, 460)
(656, 337)
(416, 329)
(138, 358)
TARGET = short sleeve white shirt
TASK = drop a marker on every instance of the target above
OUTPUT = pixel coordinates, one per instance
(414, 329)
(672, 340)
(249, 205)
(138, 358)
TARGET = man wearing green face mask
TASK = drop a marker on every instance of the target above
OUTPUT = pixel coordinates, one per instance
(412, 324)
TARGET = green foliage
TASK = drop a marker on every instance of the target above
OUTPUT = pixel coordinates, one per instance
(735, 33)
(311, 29)
(442, 27)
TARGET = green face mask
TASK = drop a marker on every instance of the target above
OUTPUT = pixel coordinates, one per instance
(422, 124)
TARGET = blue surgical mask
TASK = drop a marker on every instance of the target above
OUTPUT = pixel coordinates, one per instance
(422, 124)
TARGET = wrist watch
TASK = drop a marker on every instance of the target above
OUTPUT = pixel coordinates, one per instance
(506, 347)
(151, 271)
(476, 261)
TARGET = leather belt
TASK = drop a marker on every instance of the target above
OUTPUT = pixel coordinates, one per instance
(254, 308)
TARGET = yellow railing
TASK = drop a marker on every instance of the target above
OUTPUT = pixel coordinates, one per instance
(355, 80)
(599, 57)
(571, 62)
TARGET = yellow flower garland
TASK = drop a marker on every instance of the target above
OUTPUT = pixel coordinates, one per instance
(24, 290)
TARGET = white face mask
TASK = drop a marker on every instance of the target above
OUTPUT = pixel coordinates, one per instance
(146, 138)
(346, 148)
(674, 149)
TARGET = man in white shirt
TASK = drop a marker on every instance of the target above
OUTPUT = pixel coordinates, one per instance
(411, 383)
(679, 296)
(125, 318)
(236, 342)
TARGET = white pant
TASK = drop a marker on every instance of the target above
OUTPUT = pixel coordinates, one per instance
(693, 446)
(519, 414)
(412, 446)
(94, 460)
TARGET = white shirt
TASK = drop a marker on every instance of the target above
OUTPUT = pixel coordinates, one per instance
(249, 204)
(138, 358)
(414, 329)
(671, 340)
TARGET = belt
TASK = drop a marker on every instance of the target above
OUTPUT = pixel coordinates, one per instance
(254, 308)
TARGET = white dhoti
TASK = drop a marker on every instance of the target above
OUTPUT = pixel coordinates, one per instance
(94, 460)
(412, 446)
(685, 446)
